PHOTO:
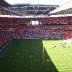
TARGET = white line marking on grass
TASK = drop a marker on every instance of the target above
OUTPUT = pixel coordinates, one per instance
(43, 54)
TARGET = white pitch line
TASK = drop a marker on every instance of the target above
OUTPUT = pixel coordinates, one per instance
(43, 54)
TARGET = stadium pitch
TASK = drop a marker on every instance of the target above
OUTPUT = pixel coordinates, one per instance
(37, 55)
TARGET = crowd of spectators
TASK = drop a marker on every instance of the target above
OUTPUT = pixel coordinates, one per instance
(22, 10)
(20, 32)
(25, 9)
(7, 11)
(28, 9)
(62, 12)
(5, 37)
(10, 30)
(27, 21)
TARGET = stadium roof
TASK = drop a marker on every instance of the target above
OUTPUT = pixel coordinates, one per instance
(63, 7)
(35, 5)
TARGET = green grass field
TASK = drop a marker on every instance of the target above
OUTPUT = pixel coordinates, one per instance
(37, 55)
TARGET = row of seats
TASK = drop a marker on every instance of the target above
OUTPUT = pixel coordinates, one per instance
(49, 28)
(45, 27)
(27, 21)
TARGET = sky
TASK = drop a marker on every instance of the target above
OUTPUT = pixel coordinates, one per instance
(50, 2)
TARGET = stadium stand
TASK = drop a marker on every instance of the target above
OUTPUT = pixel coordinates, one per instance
(67, 11)
(53, 28)
(4, 8)
(63, 10)
(21, 27)
(27, 9)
